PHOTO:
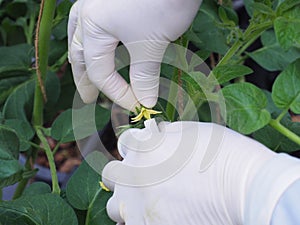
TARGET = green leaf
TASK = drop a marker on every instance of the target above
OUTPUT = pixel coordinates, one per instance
(84, 192)
(84, 184)
(24, 131)
(60, 30)
(37, 188)
(10, 169)
(271, 56)
(75, 124)
(287, 5)
(15, 60)
(61, 19)
(7, 86)
(286, 88)
(19, 104)
(57, 49)
(262, 8)
(65, 99)
(207, 28)
(52, 90)
(287, 32)
(245, 107)
(12, 33)
(193, 37)
(63, 8)
(253, 6)
(228, 16)
(228, 72)
(248, 6)
(16, 9)
(97, 214)
(271, 107)
(38, 209)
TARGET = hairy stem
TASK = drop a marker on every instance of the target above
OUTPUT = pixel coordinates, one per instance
(43, 33)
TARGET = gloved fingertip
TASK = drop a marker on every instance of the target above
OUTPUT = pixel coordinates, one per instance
(88, 94)
(113, 210)
(88, 100)
(148, 102)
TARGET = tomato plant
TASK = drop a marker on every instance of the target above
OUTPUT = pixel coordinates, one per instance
(36, 85)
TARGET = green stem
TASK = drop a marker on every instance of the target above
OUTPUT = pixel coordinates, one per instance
(282, 114)
(256, 28)
(56, 148)
(230, 53)
(254, 36)
(43, 33)
(49, 154)
(30, 29)
(283, 130)
(35, 145)
(23, 183)
(87, 218)
(250, 35)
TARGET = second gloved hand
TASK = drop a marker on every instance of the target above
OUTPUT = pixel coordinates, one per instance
(145, 27)
(195, 173)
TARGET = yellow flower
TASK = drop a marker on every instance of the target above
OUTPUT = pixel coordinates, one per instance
(102, 185)
(146, 113)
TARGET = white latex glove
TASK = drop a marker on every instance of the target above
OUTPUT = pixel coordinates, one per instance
(145, 27)
(195, 173)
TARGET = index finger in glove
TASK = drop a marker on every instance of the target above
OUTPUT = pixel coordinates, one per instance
(99, 55)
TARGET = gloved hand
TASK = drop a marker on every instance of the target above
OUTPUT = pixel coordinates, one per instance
(195, 173)
(145, 28)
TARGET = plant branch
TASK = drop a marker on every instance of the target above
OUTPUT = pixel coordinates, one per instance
(56, 147)
(250, 35)
(49, 154)
(230, 53)
(283, 130)
(254, 36)
(282, 114)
